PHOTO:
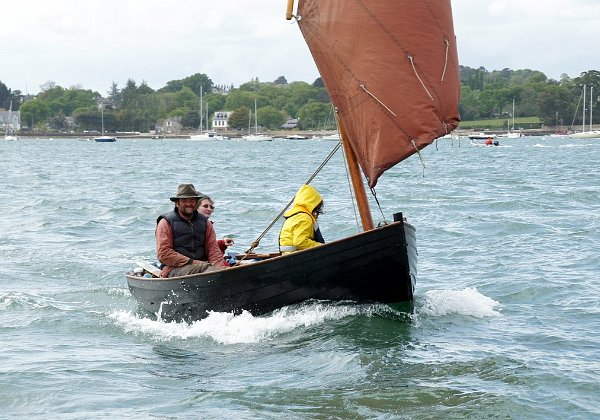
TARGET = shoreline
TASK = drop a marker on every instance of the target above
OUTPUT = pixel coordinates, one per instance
(276, 134)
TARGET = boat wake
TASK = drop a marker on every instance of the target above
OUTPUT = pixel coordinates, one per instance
(460, 302)
(227, 328)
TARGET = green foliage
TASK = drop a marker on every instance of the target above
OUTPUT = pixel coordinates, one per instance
(34, 111)
(270, 117)
(238, 98)
(239, 118)
(281, 80)
(8, 98)
(58, 121)
(214, 102)
(485, 95)
(316, 116)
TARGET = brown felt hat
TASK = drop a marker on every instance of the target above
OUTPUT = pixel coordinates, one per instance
(186, 191)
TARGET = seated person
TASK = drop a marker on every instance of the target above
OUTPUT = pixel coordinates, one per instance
(300, 229)
(183, 250)
(206, 207)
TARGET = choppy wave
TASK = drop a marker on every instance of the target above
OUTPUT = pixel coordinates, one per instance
(468, 301)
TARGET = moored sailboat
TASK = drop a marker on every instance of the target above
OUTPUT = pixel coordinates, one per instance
(411, 50)
(103, 137)
(256, 136)
(10, 135)
(511, 133)
(204, 135)
(591, 134)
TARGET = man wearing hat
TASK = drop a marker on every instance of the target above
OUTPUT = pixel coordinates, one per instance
(186, 242)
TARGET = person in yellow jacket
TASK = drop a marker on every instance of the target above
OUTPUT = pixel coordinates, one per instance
(300, 229)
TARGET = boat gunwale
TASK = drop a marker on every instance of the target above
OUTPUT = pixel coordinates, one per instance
(294, 255)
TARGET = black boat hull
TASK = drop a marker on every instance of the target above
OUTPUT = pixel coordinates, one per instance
(375, 266)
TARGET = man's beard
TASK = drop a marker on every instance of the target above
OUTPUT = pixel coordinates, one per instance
(187, 211)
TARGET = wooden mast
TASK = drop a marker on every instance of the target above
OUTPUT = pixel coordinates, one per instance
(357, 183)
(290, 10)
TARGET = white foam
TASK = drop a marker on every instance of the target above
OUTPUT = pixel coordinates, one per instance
(227, 328)
(463, 302)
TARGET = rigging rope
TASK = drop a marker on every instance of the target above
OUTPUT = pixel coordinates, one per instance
(412, 62)
(577, 110)
(446, 60)
(374, 193)
(377, 99)
(420, 156)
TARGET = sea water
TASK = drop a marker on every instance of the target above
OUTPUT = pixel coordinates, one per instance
(505, 322)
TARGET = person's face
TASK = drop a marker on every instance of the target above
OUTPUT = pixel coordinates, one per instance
(206, 208)
(187, 206)
(318, 210)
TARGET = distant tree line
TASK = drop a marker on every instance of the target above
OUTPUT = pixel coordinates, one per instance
(484, 94)
(487, 95)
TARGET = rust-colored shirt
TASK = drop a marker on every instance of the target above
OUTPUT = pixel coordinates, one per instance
(171, 258)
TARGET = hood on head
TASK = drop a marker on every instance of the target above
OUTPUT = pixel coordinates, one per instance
(307, 197)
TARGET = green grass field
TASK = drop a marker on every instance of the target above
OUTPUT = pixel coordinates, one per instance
(500, 124)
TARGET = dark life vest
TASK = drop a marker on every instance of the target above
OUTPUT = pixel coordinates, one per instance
(188, 236)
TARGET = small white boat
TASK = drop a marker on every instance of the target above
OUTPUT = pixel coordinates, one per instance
(332, 137)
(257, 137)
(586, 135)
(105, 139)
(481, 136)
(206, 136)
(513, 135)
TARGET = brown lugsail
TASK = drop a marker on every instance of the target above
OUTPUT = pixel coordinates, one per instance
(391, 70)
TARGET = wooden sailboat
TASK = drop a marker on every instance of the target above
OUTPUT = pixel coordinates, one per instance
(392, 74)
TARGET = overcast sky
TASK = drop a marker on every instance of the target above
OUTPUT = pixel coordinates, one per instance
(90, 44)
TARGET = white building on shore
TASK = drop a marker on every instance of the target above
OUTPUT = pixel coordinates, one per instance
(15, 121)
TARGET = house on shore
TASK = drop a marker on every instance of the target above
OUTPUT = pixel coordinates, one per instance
(171, 125)
(220, 121)
(15, 120)
(290, 124)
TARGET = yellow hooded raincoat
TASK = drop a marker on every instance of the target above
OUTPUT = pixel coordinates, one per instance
(298, 230)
